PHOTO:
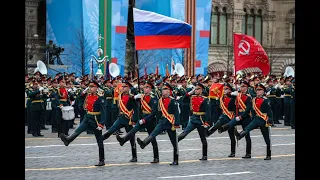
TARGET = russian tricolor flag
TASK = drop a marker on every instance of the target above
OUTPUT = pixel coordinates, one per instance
(156, 31)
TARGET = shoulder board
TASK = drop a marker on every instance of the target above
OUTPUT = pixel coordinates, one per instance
(248, 95)
(152, 96)
(205, 97)
(171, 97)
(264, 97)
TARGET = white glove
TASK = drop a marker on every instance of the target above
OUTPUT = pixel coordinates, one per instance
(141, 122)
(74, 89)
(237, 118)
(138, 96)
(41, 88)
(268, 93)
(99, 128)
(60, 107)
(69, 90)
(135, 86)
(178, 97)
(235, 93)
(277, 86)
(85, 91)
(192, 91)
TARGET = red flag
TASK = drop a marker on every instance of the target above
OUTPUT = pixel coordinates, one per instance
(216, 90)
(249, 53)
(157, 70)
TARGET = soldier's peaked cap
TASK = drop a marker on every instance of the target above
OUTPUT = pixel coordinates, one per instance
(127, 82)
(93, 82)
(150, 84)
(199, 84)
(260, 85)
(168, 86)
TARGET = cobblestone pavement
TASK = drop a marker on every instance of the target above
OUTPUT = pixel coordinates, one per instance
(48, 158)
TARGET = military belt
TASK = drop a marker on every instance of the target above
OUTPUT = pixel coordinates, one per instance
(35, 101)
(199, 113)
(287, 95)
(64, 100)
(53, 98)
(27, 98)
(271, 96)
(241, 110)
(145, 112)
(213, 97)
(108, 97)
(93, 113)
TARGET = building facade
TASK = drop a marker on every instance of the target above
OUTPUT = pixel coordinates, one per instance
(35, 38)
(271, 22)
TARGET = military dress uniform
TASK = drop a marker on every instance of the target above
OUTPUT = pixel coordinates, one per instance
(28, 110)
(149, 109)
(288, 91)
(55, 108)
(168, 120)
(214, 101)
(93, 120)
(184, 104)
(293, 104)
(63, 99)
(262, 118)
(127, 117)
(227, 104)
(37, 107)
(200, 118)
(243, 112)
(272, 96)
(108, 95)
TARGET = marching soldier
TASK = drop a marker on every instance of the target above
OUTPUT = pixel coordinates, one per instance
(127, 117)
(214, 100)
(93, 119)
(149, 107)
(261, 117)
(227, 104)
(200, 108)
(243, 115)
(169, 121)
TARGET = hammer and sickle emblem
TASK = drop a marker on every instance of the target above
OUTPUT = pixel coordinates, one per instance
(216, 90)
(241, 47)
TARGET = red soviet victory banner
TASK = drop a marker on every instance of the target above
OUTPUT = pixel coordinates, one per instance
(249, 53)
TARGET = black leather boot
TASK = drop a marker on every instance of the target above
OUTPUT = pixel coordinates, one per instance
(175, 159)
(210, 131)
(223, 128)
(268, 157)
(101, 157)
(232, 154)
(145, 142)
(182, 136)
(68, 139)
(204, 153)
(155, 153)
(134, 154)
(242, 134)
(123, 140)
(155, 160)
(247, 156)
(105, 136)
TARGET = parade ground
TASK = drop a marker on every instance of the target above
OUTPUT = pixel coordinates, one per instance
(47, 157)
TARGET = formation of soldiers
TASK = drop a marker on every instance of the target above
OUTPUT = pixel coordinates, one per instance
(160, 105)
